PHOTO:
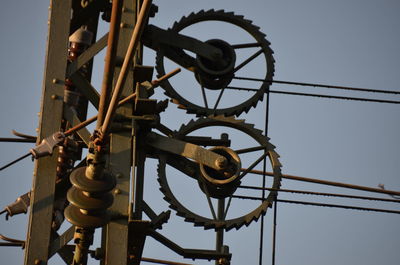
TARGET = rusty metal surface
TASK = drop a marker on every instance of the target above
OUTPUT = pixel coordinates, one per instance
(109, 59)
(133, 44)
(137, 235)
(41, 208)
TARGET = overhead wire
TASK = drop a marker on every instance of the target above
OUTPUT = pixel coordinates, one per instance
(329, 183)
(348, 88)
(319, 95)
(308, 95)
(335, 97)
(324, 205)
(266, 126)
(321, 85)
(305, 192)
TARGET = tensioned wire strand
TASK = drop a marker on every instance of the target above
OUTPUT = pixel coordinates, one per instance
(370, 90)
(264, 180)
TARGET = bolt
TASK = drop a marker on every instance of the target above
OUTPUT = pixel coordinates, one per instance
(122, 25)
(38, 261)
(119, 175)
(221, 162)
(54, 97)
(55, 81)
(223, 261)
(117, 191)
(224, 136)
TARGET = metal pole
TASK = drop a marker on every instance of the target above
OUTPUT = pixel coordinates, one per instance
(109, 60)
(274, 232)
(139, 26)
(155, 83)
(220, 232)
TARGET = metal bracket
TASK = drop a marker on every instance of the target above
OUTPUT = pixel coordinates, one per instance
(47, 145)
(192, 151)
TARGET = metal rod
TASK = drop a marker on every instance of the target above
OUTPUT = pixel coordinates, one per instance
(255, 163)
(157, 82)
(109, 64)
(219, 98)
(23, 135)
(274, 232)
(326, 182)
(132, 96)
(246, 45)
(160, 261)
(210, 205)
(240, 66)
(139, 26)
(264, 179)
(12, 242)
(138, 183)
(203, 93)
(321, 85)
(80, 126)
(219, 239)
(227, 206)
(324, 194)
(250, 149)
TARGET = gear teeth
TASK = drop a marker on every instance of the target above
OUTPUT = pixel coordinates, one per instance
(183, 126)
(226, 119)
(237, 20)
(179, 105)
(229, 224)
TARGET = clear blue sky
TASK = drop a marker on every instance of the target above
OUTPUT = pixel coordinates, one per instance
(352, 43)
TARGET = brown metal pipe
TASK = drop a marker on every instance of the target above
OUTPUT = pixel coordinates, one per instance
(329, 183)
(109, 65)
(137, 32)
(160, 261)
(132, 96)
(157, 82)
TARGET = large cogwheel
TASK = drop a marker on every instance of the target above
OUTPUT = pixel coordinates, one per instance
(196, 202)
(221, 88)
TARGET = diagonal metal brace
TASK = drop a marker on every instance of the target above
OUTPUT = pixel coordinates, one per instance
(189, 253)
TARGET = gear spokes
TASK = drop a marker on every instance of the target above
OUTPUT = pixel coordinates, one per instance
(221, 186)
(247, 53)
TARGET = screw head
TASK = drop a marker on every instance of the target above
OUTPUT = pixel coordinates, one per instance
(221, 162)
